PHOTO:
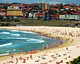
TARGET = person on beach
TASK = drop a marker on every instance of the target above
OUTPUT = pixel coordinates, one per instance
(69, 56)
(71, 41)
(67, 48)
(24, 60)
(36, 49)
(31, 56)
(26, 52)
(20, 50)
(61, 42)
(61, 61)
(31, 50)
(16, 60)
(12, 57)
(20, 58)
(27, 58)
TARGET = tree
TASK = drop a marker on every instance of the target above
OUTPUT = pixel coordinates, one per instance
(39, 8)
(79, 5)
(1, 17)
(69, 11)
(29, 10)
(75, 61)
(61, 6)
(52, 12)
(7, 18)
(5, 8)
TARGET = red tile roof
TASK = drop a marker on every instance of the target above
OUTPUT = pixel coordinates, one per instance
(65, 7)
(25, 8)
(2, 13)
(74, 9)
(40, 13)
(13, 5)
(2, 9)
(76, 13)
(19, 5)
(55, 5)
(44, 9)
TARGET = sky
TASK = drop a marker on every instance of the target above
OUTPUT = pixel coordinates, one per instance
(40, 1)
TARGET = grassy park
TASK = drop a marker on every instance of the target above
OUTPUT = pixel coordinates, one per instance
(35, 22)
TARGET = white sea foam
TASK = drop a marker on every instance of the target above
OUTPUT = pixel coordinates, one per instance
(29, 32)
(43, 37)
(37, 40)
(42, 45)
(14, 30)
(14, 38)
(8, 51)
(4, 54)
(4, 33)
(15, 34)
(5, 44)
(14, 49)
(21, 38)
(28, 40)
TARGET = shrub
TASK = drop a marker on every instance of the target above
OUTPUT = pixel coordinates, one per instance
(16, 20)
(75, 61)
(3, 20)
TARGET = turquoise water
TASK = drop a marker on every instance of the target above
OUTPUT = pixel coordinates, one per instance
(11, 41)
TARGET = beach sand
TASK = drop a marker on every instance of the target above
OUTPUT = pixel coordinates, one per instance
(61, 54)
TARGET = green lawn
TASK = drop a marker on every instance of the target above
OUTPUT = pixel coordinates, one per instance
(40, 22)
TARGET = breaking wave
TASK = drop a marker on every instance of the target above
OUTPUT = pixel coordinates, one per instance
(5, 33)
(5, 44)
(15, 34)
(36, 40)
(29, 32)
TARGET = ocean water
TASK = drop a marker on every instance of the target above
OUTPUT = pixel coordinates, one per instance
(11, 41)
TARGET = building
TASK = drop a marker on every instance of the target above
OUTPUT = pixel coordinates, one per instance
(14, 11)
(39, 11)
(39, 15)
(72, 17)
(62, 17)
(54, 7)
(69, 17)
(31, 15)
(56, 16)
(2, 13)
(44, 5)
(2, 10)
(36, 15)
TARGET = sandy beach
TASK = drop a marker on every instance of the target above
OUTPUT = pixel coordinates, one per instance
(58, 55)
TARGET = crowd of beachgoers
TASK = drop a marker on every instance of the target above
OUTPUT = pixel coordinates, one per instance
(59, 55)
(59, 31)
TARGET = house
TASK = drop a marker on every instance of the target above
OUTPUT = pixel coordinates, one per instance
(2, 13)
(54, 7)
(2, 10)
(62, 17)
(39, 15)
(31, 15)
(66, 7)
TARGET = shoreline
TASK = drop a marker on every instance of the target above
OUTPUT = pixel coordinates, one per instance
(67, 44)
(40, 50)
